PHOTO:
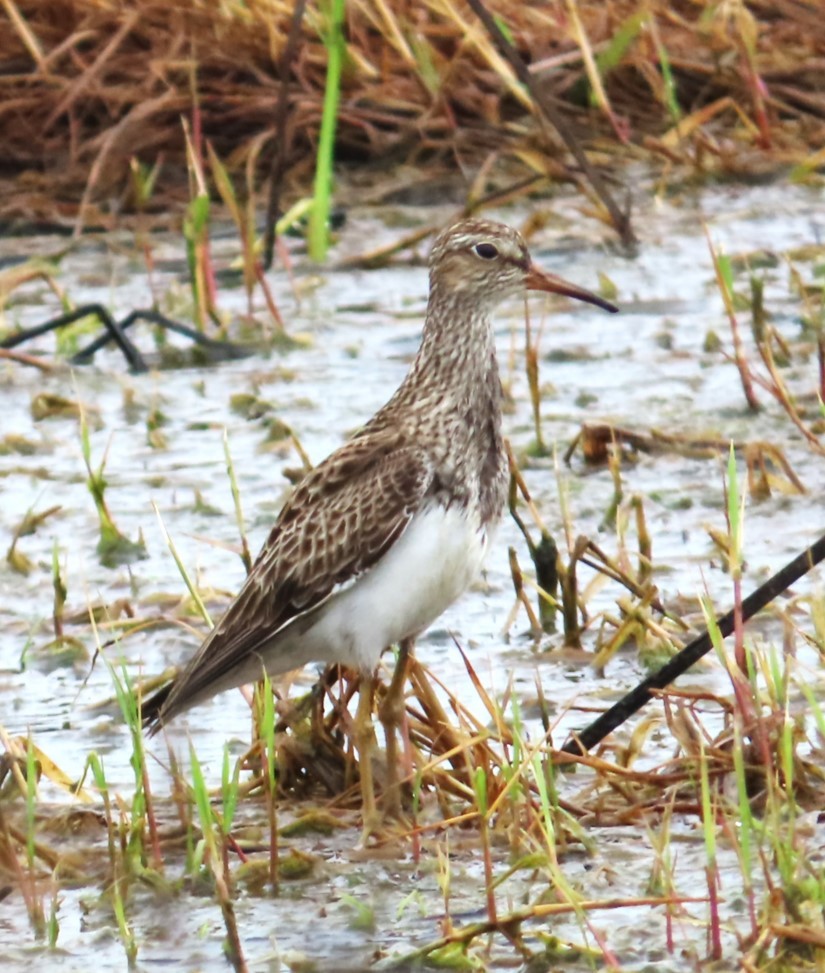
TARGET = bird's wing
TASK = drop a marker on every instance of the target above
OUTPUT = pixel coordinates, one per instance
(342, 517)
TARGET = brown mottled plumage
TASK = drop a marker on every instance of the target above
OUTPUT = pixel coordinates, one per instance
(386, 532)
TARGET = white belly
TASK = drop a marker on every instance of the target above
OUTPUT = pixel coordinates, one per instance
(436, 559)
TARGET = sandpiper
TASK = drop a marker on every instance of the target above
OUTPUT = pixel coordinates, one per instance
(381, 537)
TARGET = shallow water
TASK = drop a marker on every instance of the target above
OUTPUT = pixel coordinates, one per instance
(643, 369)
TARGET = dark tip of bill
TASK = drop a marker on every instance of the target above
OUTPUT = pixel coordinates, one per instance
(602, 303)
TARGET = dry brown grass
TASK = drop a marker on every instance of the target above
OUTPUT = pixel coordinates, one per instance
(87, 85)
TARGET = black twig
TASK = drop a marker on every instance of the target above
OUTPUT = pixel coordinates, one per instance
(225, 349)
(116, 331)
(633, 701)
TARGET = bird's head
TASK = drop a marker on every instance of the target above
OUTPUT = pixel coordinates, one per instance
(487, 262)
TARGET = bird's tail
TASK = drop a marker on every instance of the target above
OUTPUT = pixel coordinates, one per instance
(151, 708)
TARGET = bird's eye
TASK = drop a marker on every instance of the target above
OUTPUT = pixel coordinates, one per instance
(486, 250)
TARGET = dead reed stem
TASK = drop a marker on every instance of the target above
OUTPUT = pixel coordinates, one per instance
(89, 86)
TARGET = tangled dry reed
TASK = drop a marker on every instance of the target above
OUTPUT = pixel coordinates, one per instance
(89, 86)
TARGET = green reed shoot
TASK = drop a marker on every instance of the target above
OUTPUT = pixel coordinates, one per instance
(206, 852)
(229, 790)
(362, 918)
(541, 769)
(817, 607)
(735, 518)
(95, 764)
(661, 881)
(187, 580)
(743, 675)
(113, 548)
(511, 767)
(745, 831)
(542, 774)
(724, 281)
(670, 97)
(209, 851)
(415, 838)
(217, 860)
(645, 542)
(444, 879)
(67, 340)
(143, 179)
(425, 65)
(196, 234)
(333, 38)
(127, 936)
(815, 707)
(547, 804)
(625, 34)
(800, 884)
(598, 93)
(118, 878)
(265, 707)
(60, 591)
(142, 812)
(230, 786)
(246, 557)
(480, 789)
(777, 678)
(786, 763)
(242, 217)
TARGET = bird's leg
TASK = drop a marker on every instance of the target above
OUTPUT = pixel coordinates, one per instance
(392, 712)
(363, 735)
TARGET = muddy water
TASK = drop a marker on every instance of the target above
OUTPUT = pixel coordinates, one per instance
(359, 329)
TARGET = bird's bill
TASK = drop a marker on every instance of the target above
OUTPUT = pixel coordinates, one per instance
(540, 280)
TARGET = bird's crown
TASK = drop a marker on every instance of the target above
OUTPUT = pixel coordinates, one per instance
(485, 240)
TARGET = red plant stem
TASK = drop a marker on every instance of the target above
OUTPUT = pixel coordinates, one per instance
(751, 717)
(270, 300)
(236, 848)
(759, 91)
(611, 961)
(738, 353)
(777, 389)
(741, 361)
(715, 944)
(738, 626)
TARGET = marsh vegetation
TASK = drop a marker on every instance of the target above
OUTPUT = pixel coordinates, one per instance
(664, 463)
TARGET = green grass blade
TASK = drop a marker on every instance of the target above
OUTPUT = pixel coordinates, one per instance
(319, 217)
